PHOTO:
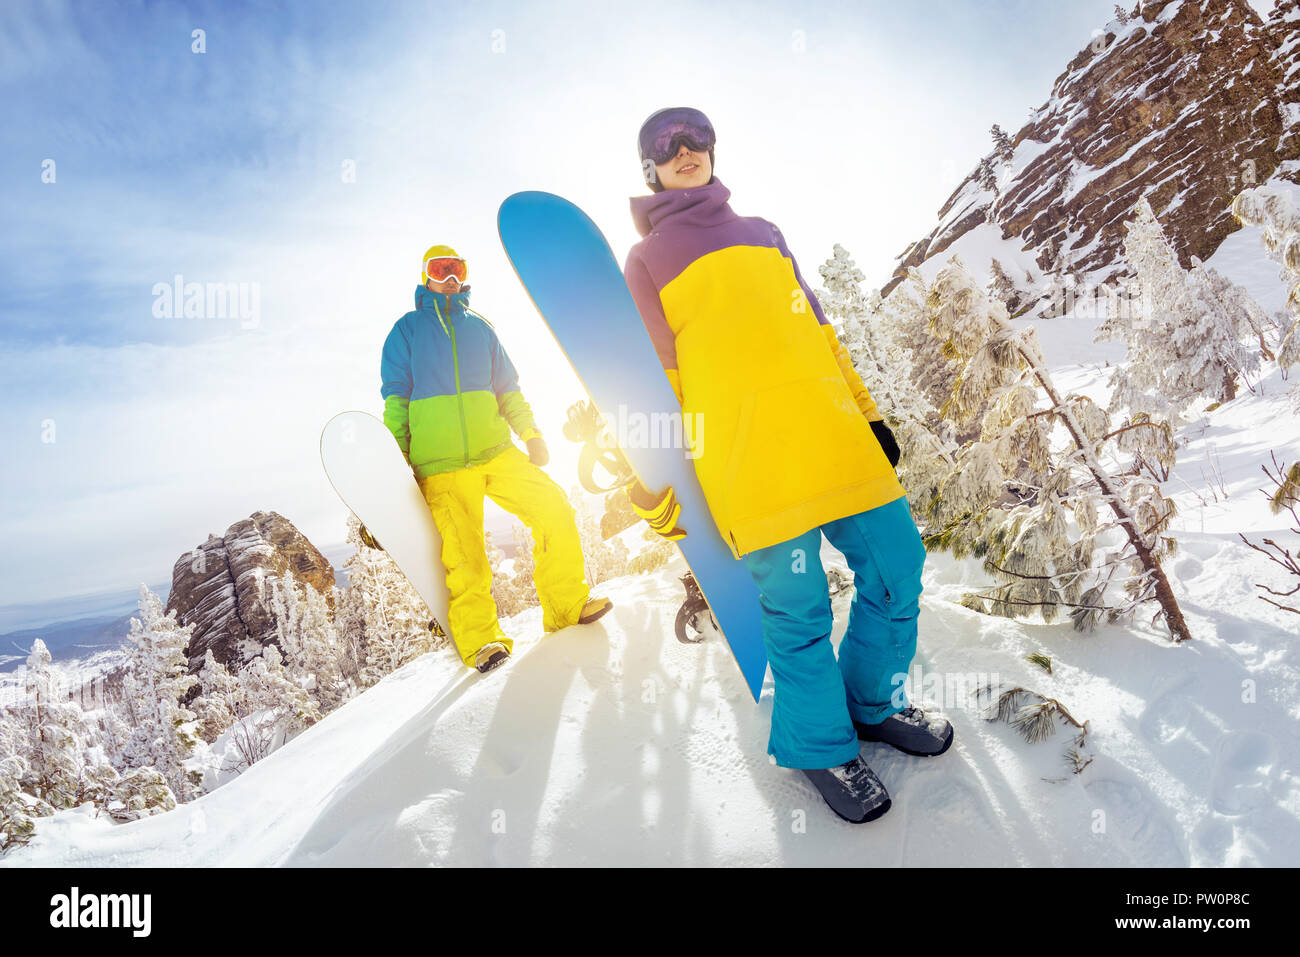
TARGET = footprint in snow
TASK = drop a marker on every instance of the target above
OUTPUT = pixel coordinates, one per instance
(1243, 772)
(1137, 824)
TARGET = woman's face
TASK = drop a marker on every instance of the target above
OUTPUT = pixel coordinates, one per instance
(685, 170)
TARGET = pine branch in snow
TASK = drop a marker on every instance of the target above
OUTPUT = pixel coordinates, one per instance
(1035, 717)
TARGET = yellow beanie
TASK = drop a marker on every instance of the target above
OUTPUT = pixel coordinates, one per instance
(435, 252)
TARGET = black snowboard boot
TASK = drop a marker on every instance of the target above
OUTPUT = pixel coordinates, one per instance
(912, 731)
(852, 790)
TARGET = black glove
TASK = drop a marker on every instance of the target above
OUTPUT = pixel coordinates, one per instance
(887, 442)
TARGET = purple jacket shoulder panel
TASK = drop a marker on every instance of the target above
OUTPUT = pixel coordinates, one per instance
(646, 296)
(680, 227)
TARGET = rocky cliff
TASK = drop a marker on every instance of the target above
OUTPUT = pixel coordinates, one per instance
(1188, 103)
(217, 585)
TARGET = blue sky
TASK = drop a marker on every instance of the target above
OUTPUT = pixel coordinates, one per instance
(226, 166)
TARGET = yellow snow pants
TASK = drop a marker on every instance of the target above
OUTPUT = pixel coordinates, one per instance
(524, 490)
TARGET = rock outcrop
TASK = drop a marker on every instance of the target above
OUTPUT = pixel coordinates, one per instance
(1188, 103)
(217, 587)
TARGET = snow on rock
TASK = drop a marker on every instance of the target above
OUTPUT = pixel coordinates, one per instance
(1186, 104)
(217, 586)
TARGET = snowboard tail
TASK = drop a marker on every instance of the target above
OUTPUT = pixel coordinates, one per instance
(368, 471)
(567, 267)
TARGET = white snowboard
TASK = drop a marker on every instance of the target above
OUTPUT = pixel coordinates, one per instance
(367, 469)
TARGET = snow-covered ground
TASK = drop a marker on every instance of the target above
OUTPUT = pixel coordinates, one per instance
(613, 744)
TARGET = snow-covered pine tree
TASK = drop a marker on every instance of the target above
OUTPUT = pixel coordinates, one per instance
(1184, 340)
(525, 588)
(876, 334)
(384, 623)
(157, 679)
(1012, 492)
(618, 515)
(277, 708)
(1004, 287)
(155, 683)
(61, 764)
(18, 810)
(988, 178)
(1002, 144)
(1235, 300)
(141, 792)
(655, 553)
(604, 558)
(220, 698)
(502, 586)
(1274, 212)
(308, 639)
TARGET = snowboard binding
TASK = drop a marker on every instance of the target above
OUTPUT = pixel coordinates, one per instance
(695, 620)
(585, 427)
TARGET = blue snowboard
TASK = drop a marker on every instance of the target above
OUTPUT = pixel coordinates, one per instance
(576, 284)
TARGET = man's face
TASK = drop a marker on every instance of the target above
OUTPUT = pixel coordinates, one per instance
(687, 169)
(449, 286)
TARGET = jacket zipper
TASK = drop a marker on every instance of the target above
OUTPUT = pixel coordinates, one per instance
(460, 397)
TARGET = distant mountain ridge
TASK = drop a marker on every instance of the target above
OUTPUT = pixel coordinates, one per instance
(79, 638)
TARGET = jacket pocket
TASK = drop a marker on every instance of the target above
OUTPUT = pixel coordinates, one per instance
(795, 442)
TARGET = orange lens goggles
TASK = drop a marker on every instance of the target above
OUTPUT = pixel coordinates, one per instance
(444, 267)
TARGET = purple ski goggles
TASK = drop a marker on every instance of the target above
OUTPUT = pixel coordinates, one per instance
(663, 133)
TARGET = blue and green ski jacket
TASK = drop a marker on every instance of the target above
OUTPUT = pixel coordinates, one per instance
(451, 394)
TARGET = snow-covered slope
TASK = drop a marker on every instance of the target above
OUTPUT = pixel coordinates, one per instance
(613, 744)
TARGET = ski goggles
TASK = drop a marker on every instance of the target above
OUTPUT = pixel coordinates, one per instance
(442, 268)
(664, 132)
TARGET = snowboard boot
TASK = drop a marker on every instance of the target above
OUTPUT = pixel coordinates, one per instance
(911, 731)
(852, 790)
(594, 609)
(491, 655)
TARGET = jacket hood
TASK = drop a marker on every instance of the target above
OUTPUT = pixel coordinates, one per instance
(699, 206)
(427, 299)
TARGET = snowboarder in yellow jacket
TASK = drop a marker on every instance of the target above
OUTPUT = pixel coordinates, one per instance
(797, 450)
(451, 399)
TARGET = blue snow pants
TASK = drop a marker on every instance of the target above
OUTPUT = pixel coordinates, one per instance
(817, 699)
